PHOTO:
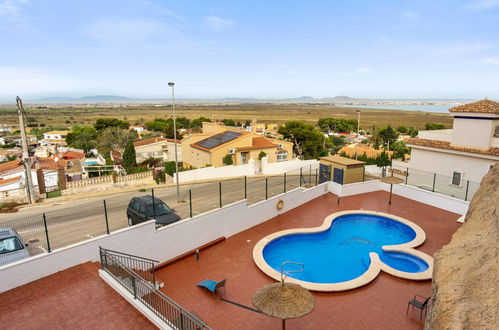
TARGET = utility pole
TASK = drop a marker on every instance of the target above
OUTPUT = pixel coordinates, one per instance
(171, 84)
(26, 161)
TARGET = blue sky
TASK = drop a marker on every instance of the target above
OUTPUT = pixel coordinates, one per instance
(258, 48)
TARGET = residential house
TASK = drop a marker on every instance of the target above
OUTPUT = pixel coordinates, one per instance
(216, 142)
(14, 174)
(4, 128)
(138, 128)
(55, 138)
(157, 147)
(465, 152)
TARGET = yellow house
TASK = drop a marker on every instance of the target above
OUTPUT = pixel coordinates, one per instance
(210, 148)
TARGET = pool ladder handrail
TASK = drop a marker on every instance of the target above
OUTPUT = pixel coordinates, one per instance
(285, 273)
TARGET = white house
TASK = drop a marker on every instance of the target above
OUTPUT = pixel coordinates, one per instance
(55, 135)
(138, 128)
(157, 147)
(465, 152)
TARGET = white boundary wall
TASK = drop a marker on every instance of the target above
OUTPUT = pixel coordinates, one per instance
(287, 166)
(183, 236)
(163, 244)
(212, 172)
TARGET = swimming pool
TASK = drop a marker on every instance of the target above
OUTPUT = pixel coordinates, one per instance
(347, 251)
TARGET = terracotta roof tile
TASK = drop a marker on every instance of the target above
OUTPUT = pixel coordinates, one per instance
(45, 163)
(483, 106)
(9, 166)
(259, 143)
(73, 155)
(446, 145)
(10, 180)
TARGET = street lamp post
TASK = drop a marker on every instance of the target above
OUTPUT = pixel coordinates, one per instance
(171, 84)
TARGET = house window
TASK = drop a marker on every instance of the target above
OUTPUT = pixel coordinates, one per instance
(456, 178)
(282, 155)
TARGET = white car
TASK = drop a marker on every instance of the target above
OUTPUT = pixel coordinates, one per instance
(12, 247)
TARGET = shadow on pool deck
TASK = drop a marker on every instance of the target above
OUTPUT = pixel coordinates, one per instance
(379, 305)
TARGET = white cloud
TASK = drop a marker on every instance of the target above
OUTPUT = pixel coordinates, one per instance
(462, 48)
(12, 12)
(480, 5)
(410, 15)
(216, 23)
(363, 69)
(129, 30)
(490, 60)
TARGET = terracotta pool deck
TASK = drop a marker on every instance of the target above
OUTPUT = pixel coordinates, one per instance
(75, 298)
(379, 305)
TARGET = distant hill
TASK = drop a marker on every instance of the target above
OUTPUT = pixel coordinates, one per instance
(339, 100)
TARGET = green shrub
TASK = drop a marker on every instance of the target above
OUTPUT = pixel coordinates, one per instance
(227, 160)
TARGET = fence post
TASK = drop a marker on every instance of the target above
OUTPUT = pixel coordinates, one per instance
(467, 188)
(190, 203)
(134, 286)
(301, 171)
(47, 231)
(245, 188)
(434, 179)
(284, 182)
(153, 210)
(407, 176)
(220, 192)
(266, 188)
(105, 214)
(310, 174)
(316, 176)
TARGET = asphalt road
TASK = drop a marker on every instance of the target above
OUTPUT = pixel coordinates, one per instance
(77, 220)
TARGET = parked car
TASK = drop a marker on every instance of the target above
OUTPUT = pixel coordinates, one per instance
(140, 209)
(12, 247)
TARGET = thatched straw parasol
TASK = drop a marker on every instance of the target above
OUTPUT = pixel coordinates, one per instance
(391, 180)
(284, 301)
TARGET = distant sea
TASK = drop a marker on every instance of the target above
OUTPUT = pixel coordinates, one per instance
(424, 108)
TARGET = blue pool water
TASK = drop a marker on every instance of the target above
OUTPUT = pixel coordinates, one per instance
(341, 253)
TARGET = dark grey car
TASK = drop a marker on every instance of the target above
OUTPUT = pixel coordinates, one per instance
(140, 209)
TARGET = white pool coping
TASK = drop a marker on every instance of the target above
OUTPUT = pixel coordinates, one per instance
(376, 264)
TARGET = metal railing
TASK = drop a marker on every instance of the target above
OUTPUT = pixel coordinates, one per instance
(127, 270)
(434, 182)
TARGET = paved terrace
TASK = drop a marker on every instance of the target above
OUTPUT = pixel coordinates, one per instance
(78, 298)
(378, 305)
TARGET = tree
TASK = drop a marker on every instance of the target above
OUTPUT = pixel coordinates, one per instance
(308, 141)
(400, 149)
(336, 143)
(227, 160)
(383, 159)
(103, 123)
(337, 125)
(129, 158)
(433, 126)
(198, 122)
(402, 129)
(412, 132)
(82, 137)
(115, 138)
(388, 134)
(261, 155)
(228, 122)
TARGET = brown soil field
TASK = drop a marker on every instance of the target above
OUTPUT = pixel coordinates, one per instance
(67, 115)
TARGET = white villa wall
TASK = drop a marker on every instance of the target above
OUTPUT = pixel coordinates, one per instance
(287, 166)
(474, 133)
(439, 135)
(441, 162)
(212, 172)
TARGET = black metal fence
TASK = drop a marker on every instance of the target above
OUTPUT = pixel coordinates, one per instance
(63, 226)
(129, 271)
(438, 183)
